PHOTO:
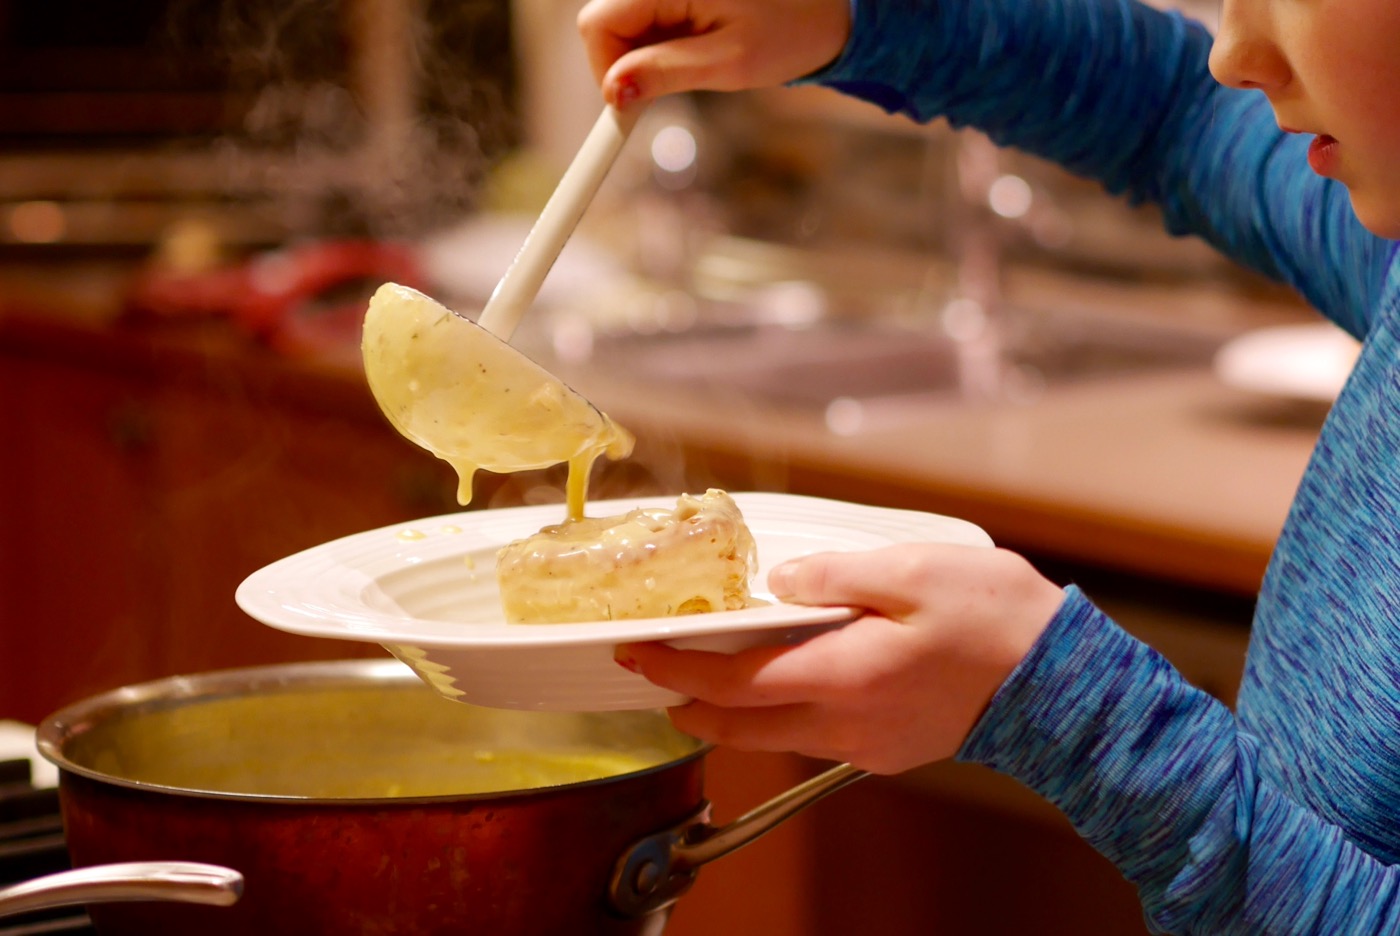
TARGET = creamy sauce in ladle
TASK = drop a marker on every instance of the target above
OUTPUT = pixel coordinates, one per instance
(474, 401)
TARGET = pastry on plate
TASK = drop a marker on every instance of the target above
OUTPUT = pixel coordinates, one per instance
(649, 562)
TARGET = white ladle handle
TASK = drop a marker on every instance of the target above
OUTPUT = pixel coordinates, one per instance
(517, 289)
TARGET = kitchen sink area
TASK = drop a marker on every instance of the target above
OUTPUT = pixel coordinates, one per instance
(861, 353)
(815, 365)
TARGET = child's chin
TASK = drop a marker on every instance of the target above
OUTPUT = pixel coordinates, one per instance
(1379, 215)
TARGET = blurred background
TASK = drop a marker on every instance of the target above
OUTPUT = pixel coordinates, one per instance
(780, 290)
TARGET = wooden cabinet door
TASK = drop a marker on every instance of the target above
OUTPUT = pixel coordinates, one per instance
(246, 481)
(133, 503)
(764, 888)
(80, 551)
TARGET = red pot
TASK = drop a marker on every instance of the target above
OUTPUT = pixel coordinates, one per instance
(354, 800)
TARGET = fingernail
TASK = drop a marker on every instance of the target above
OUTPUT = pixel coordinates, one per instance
(625, 661)
(780, 579)
(627, 92)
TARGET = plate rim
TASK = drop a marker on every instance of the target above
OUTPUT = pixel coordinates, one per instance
(256, 596)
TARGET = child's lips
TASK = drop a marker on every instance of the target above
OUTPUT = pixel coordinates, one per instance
(1323, 155)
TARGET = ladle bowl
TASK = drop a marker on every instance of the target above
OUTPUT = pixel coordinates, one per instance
(459, 390)
(462, 393)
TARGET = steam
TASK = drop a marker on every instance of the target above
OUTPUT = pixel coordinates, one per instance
(366, 117)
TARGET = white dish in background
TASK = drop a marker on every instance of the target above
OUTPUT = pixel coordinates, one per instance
(17, 742)
(427, 592)
(1300, 362)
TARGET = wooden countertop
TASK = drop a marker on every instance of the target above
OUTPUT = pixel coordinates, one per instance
(1169, 475)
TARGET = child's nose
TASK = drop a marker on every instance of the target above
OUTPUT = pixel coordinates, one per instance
(1244, 55)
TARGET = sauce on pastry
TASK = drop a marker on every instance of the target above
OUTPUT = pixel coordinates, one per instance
(648, 562)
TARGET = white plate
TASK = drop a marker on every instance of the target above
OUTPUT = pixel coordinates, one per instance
(1299, 362)
(427, 592)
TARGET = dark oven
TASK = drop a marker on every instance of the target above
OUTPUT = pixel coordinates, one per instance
(31, 845)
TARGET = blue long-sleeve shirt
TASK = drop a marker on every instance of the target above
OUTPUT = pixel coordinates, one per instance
(1283, 817)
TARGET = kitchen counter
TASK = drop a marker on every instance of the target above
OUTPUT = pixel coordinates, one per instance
(1168, 475)
(1164, 473)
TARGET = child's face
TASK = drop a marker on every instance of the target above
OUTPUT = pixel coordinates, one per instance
(1329, 68)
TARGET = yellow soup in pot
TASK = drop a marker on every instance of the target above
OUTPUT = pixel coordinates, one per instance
(370, 743)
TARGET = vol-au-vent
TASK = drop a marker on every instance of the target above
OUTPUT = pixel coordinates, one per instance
(646, 563)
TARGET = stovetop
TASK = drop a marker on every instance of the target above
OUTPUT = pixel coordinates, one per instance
(31, 845)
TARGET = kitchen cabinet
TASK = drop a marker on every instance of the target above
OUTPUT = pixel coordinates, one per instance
(899, 859)
(142, 484)
(79, 572)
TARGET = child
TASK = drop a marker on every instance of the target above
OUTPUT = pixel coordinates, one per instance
(1285, 817)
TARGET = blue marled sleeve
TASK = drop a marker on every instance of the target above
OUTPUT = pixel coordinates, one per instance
(1155, 775)
(1120, 92)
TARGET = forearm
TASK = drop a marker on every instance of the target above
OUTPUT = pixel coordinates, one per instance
(1156, 776)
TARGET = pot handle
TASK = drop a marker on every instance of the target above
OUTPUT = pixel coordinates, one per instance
(183, 881)
(658, 869)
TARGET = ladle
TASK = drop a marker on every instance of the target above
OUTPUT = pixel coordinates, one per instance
(580, 183)
(458, 389)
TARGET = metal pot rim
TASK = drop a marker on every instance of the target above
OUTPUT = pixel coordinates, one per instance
(55, 732)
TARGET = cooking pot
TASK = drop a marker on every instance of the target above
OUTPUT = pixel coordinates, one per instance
(353, 799)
